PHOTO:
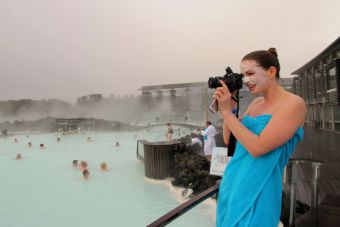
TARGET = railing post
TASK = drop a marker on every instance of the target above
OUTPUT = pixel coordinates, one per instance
(316, 174)
(292, 195)
(137, 151)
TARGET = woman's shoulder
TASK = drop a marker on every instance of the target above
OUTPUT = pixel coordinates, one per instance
(294, 100)
(292, 105)
(254, 103)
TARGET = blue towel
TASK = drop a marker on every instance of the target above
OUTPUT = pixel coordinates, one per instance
(251, 188)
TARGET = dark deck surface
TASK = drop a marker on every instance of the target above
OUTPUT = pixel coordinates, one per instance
(328, 214)
(320, 145)
(325, 146)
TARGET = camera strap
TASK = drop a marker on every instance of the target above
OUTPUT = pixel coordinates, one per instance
(237, 100)
(232, 140)
(234, 98)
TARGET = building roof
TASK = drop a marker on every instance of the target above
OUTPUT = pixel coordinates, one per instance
(319, 57)
(174, 86)
(283, 81)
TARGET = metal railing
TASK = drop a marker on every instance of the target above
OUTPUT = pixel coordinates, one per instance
(293, 164)
(176, 134)
(178, 211)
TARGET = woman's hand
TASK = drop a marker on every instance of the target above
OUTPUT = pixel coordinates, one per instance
(223, 97)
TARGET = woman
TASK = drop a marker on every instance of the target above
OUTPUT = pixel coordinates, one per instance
(169, 133)
(251, 188)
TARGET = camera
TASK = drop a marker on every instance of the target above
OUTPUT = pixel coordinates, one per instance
(232, 80)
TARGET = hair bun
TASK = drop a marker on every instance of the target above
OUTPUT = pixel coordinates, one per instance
(273, 51)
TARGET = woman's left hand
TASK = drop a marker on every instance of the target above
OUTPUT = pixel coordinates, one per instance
(223, 96)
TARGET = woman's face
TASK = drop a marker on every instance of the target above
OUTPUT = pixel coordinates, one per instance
(255, 77)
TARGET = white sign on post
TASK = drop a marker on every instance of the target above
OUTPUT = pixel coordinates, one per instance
(219, 160)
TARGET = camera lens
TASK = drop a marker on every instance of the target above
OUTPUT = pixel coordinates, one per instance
(213, 82)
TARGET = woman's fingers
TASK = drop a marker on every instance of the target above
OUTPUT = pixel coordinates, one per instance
(225, 87)
(222, 94)
(220, 98)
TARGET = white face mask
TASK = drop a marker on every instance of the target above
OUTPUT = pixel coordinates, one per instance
(249, 80)
(253, 74)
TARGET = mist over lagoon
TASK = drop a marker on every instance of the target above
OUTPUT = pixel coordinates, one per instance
(68, 49)
(97, 81)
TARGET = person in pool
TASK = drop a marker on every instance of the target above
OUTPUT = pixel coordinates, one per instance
(103, 166)
(117, 144)
(29, 144)
(251, 188)
(169, 132)
(83, 165)
(42, 146)
(18, 157)
(86, 173)
(75, 163)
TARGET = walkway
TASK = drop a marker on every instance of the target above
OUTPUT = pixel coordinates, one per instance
(325, 146)
(320, 145)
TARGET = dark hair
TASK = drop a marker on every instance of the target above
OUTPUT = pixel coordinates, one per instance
(75, 162)
(209, 123)
(85, 171)
(265, 58)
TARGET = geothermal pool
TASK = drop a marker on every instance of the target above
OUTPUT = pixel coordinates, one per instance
(44, 189)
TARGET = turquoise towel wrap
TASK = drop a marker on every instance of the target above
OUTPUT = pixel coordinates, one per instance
(251, 188)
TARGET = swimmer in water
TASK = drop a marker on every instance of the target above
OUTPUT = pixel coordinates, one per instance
(83, 165)
(18, 157)
(42, 146)
(15, 140)
(58, 139)
(86, 173)
(103, 166)
(29, 144)
(117, 144)
(89, 139)
(75, 163)
(169, 132)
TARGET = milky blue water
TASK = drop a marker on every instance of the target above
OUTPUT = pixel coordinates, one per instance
(44, 189)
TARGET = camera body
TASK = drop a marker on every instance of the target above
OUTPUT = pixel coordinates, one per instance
(232, 80)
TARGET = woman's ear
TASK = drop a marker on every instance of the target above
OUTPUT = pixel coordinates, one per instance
(272, 72)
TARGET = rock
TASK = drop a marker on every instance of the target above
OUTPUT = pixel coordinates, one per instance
(187, 192)
(192, 170)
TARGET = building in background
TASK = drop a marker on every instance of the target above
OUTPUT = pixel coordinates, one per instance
(89, 99)
(188, 102)
(182, 103)
(318, 82)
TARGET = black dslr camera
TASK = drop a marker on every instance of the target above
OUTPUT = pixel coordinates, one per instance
(234, 83)
(232, 80)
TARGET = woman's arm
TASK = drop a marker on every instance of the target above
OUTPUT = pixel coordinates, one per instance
(279, 130)
(282, 126)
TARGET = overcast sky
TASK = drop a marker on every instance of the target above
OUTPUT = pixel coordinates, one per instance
(68, 48)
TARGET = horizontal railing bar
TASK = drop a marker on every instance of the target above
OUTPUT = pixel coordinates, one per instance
(305, 160)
